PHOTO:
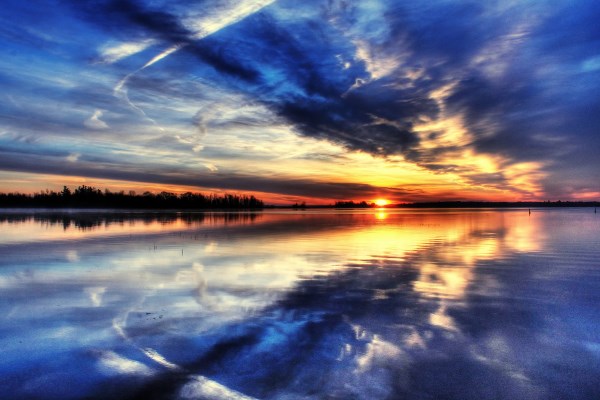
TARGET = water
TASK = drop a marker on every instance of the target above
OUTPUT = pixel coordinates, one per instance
(375, 304)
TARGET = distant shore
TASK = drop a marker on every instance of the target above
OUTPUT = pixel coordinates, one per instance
(446, 204)
(499, 204)
(452, 204)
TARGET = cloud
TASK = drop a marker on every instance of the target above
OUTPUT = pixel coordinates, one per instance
(73, 157)
(227, 181)
(377, 65)
(115, 364)
(202, 387)
(94, 122)
(211, 167)
(171, 29)
(187, 35)
(114, 52)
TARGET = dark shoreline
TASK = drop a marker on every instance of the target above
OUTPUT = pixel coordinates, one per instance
(432, 205)
(453, 204)
(519, 204)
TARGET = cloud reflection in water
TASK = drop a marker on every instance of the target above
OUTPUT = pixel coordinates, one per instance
(408, 304)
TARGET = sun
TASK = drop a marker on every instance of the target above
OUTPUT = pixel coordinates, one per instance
(381, 202)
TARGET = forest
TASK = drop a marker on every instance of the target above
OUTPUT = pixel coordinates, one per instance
(89, 197)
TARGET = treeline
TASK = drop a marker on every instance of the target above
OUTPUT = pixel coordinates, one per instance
(351, 204)
(90, 197)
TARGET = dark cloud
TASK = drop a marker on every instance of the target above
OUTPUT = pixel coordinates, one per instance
(372, 118)
(496, 179)
(302, 79)
(314, 92)
(127, 17)
(98, 167)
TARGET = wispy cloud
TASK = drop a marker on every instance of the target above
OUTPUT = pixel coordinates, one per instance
(211, 167)
(112, 53)
(73, 157)
(194, 28)
(94, 122)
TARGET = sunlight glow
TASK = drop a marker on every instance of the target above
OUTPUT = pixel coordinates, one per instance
(381, 215)
(381, 202)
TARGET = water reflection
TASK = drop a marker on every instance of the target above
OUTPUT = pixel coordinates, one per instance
(64, 225)
(372, 304)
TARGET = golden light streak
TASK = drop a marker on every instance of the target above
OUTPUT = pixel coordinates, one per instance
(459, 161)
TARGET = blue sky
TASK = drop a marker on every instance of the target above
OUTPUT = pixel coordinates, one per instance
(312, 100)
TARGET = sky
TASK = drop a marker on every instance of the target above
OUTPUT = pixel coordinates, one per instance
(316, 101)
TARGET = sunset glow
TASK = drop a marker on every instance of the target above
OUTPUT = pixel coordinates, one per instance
(297, 102)
(381, 202)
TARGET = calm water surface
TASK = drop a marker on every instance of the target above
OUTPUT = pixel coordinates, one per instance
(376, 304)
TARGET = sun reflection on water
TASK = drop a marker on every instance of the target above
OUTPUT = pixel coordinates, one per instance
(381, 215)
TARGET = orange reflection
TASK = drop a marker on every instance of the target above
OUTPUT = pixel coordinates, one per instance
(444, 247)
(381, 215)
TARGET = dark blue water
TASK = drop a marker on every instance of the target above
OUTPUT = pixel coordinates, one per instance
(377, 304)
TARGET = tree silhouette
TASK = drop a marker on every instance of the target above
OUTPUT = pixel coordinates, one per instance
(89, 197)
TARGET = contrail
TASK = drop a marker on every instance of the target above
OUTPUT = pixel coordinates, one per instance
(162, 55)
(203, 29)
